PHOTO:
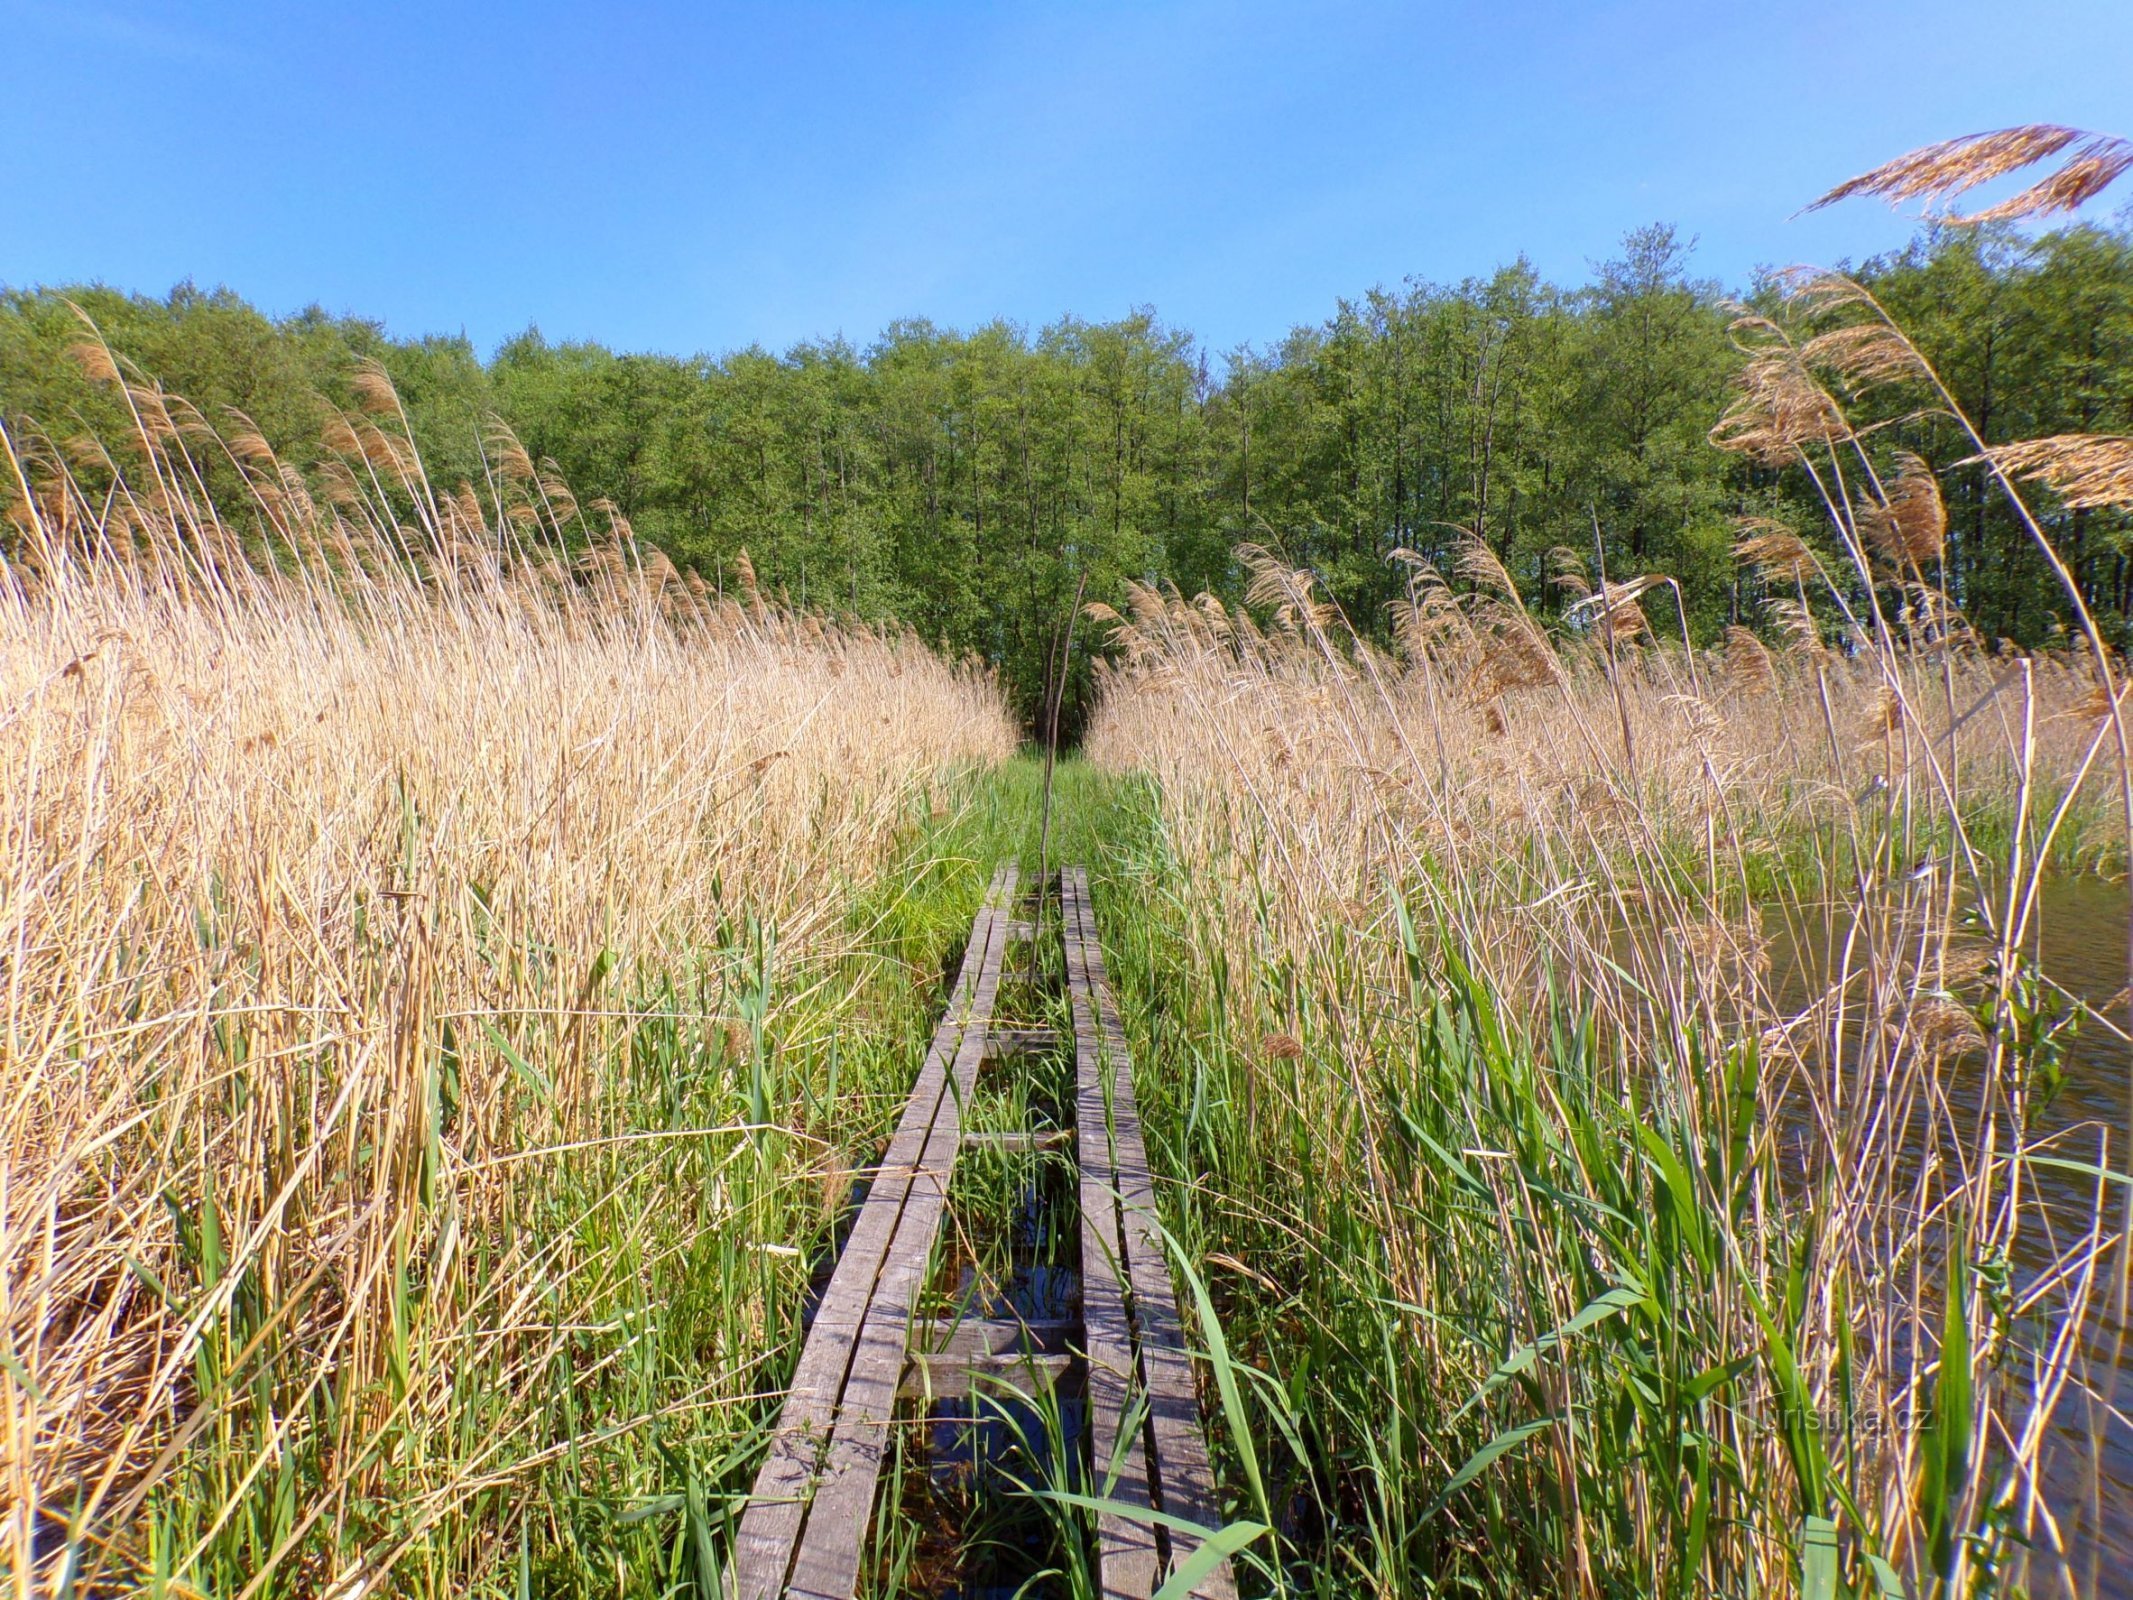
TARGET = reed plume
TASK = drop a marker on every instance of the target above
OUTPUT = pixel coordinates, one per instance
(1954, 167)
(380, 1173)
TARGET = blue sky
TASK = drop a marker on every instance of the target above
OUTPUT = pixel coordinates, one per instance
(699, 177)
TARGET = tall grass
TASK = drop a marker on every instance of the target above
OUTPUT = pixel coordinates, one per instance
(452, 964)
(1607, 1081)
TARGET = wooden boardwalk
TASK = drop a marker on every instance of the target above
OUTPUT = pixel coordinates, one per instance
(803, 1532)
(1145, 1439)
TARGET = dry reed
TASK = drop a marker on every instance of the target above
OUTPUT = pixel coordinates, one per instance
(413, 916)
(1684, 1003)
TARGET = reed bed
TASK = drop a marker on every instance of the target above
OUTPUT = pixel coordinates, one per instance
(430, 929)
(1609, 1085)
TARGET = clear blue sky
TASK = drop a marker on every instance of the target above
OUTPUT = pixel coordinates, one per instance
(698, 177)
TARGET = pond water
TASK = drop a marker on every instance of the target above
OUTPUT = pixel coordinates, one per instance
(2088, 1465)
(2082, 948)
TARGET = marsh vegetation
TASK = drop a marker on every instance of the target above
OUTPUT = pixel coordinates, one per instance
(1637, 1059)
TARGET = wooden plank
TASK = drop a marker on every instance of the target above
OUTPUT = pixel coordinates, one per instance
(873, 1274)
(1021, 1140)
(972, 1377)
(774, 1524)
(1183, 1470)
(1012, 1041)
(1181, 1475)
(947, 1360)
(826, 1561)
(1128, 1562)
(993, 1336)
(803, 1533)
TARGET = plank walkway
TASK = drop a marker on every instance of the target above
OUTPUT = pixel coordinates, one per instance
(1144, 1416)
(803, 1532)
(804, 1526)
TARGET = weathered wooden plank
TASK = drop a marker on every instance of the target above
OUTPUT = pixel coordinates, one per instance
(1127, 1558)
(941, 1339)
(978, 1355)
(972, 1376)
(1128, 1562)
(1182, 1467)
(1181, 1476)
(804, 1532)
(1183, 1472)
(1018, 1140)
(1007, 1042)
(826, 1561)
(874, 1273)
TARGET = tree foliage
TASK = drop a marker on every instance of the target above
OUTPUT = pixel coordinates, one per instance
(966, 481)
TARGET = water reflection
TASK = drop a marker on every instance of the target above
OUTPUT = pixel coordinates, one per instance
(2080, 947)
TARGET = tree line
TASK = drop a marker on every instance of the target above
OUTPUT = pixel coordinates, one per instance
(966, 481)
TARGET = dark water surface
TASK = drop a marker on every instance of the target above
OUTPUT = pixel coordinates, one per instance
(2080, 946)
